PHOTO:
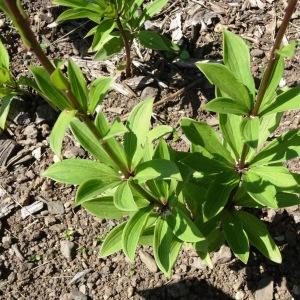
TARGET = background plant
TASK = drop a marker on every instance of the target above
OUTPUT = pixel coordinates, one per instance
(119, 22)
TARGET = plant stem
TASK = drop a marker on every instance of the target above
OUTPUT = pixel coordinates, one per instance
(267, 76)
(127, 47)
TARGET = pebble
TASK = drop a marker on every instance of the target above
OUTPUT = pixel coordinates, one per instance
(66, 249)
(37, 153)
(130, 291)
(223, 256)
(149, 92)
(257, 53)
(265, 289)
(31, 209)
(30, 132)
(148, 260)
(198, 263)
(240, 295)
(56, 207)
(6, 242)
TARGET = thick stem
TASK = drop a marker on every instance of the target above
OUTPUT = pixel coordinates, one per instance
(127, 47)
(269, 70)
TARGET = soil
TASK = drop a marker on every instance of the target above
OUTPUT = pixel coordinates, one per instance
(32, 263)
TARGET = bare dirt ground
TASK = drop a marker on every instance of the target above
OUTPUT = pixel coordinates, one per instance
(40, 254)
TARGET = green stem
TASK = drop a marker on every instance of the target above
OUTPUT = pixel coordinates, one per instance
(269, 70)
(127, 47)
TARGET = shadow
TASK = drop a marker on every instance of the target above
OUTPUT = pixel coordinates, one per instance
(192, 289)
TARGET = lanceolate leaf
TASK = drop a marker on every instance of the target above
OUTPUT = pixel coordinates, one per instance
(123, 198)
(78, 84)
(4, 57)
(133, 231)
(157, 169)
(59, 130)
(225, 80)
(113, 241)
(281, 149)
(289, 100)
(117, 128)
(4, 109)
(200, 133)
(226, 106)
(93, 188)
(166, 247)
(183, 227)
(250, 131)
(236, 237)
(155, 7)
(77, 171)
(158, 132)
(102, 32)
(104, 208)
(113, 45)
(259, 236)
(237, 59)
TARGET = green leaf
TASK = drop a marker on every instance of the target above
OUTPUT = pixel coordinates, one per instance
(157, 169)
(117, 128)
(102, 33)
(183, 227)
(78, 84)
(156, 41)
(215, 202)
(158, 132)
(4, 109)
(236, 237)
(71, 3)
(77, 171)
(4, 57)
(260, 190)
(225, 80)
(278, 175)
(165, 247)
(93, 188)
(226, 106)
(237, 58)
(89, 142)
(4, 75)
(133, 230)
(233, 137)
(288, 50)
(283, 148)
(112, 46)
(200, 133)
(98, 90)
(43, 81)
(270, 93)
(289, 100)
(287, 199)
(259, 236)
(104, 208)
(250, 131)
(79, 13)
(154, 7)
(113, 241)
(123, 197)
(58, 132)
(59, 80)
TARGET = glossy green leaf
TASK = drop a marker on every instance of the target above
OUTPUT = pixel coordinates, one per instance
(78, 171)
(4, 57)
(123, 197)
(79, 13)
(104, 208)
(4, 75)
(71, 3)
(43, 81)
(93, 188)
(165, 247)
(59, 80)
(117, 128)
(113, 241)
(200, 133)
(4, 109)
(237, 58)
(250, 131)
(290, 100)
(154, 7)
(112, 46)
(226, 106)
(157, 169)
(236, 237)
(98, 90)
(102, 33)
(58, 132)
(225, 80)
(183, 227)
(259, 236)
(283, 148)
(155, 41)
(78, 83)
(133, 230)
(158, 132)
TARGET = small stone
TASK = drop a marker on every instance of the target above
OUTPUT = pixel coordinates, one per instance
(240, 295)
(149, 92)
(56, 207)
(130, 291)
(198, 263)
(148, 260)
(37, 153)
(66, 249)
(6, 242)
(82, 289)
(296, 218)
(265, 289)
(222, 256)
(30, 132)
(257, 53)
(49, 220)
